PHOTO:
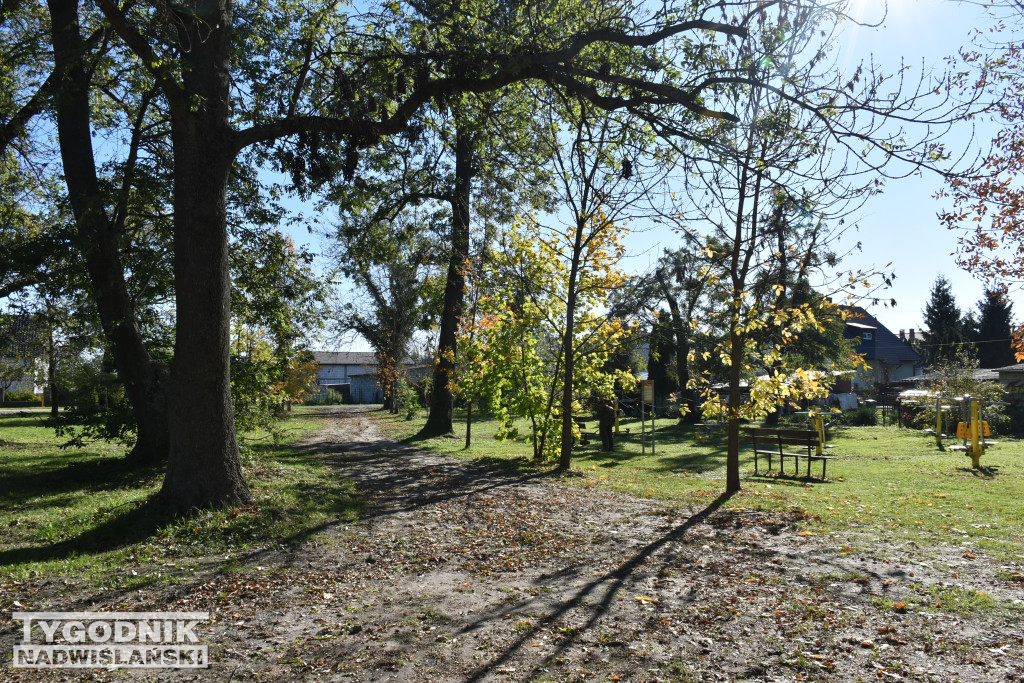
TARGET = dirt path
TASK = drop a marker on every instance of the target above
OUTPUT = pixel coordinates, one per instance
(461, 572)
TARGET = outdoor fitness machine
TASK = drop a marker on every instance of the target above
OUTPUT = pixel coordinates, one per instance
(817, 422)
(974, 430)
(940, 410)
(818, 425)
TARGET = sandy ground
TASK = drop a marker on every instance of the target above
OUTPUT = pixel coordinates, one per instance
(463, 572)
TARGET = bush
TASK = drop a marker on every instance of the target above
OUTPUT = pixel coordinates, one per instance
(326, 398)
(20, 396)
(865, 416)
(1001, 425)
(407, 400)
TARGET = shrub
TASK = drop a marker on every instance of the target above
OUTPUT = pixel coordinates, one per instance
(407, 400)
(1001, 424)
(325, 398)
(20, 396)
(865, 416)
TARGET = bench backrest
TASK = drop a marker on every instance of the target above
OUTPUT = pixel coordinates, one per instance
(789, 437)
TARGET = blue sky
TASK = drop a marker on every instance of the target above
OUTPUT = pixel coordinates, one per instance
(900, 225)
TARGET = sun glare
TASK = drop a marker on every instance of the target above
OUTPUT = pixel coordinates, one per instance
(871, 11)
(912, 31)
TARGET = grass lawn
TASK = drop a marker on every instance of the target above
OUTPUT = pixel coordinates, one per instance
(80, 512)
(887, 483)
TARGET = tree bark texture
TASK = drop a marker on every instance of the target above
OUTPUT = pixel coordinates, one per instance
(51, 373)
(203, 468)
(98, 240)
(439, 419)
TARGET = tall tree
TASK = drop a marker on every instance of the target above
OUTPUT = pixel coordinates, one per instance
(682, 278)
(601, 180)
(232, 75)
(774, 192)
(484, 130)
(943, 323)
(992, 336)
(470, 160)
(390, 263)
(100, 232)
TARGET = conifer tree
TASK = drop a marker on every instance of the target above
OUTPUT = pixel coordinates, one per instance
(994, 327)
(943, 323)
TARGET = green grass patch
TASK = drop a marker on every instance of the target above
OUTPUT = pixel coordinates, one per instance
(885, 482)
(948, 599)
(86, 513)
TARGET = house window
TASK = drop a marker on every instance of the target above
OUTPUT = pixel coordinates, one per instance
(867, 336)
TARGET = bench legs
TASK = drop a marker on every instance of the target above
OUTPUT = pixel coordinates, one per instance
(796, 463)
(768, 456)
(810, 461)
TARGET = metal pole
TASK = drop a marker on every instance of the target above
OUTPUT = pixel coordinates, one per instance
(652, 429)
(643, 423)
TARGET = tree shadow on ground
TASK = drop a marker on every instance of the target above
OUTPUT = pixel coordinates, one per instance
(422, 480)
(44, 485)
(138, 524)
(12, 422)
(793, 480)
(597, 596)
(678, 444)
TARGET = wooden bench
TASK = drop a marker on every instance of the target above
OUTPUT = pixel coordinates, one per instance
(798, 444)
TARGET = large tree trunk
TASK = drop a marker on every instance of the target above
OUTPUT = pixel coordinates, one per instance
(568, 351)
(203, 467)
(98, 241)
(439, 419)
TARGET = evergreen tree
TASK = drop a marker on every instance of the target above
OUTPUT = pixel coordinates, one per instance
(944, 328)
(994, 327)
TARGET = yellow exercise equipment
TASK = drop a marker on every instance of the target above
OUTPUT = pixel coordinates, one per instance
(963, 429)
